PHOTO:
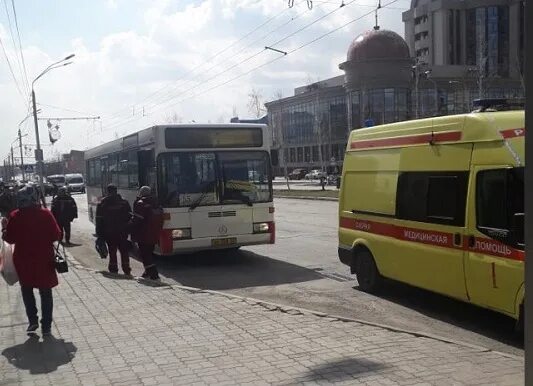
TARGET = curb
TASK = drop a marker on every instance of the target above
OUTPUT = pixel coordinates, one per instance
(304, 311)
(307, 198)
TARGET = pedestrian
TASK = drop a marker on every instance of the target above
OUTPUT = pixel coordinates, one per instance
(146, 225)
(112, 219)
(33, 230)
(65, 211)
(8, 200)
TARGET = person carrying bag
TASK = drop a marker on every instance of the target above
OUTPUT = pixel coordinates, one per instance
(33, 231)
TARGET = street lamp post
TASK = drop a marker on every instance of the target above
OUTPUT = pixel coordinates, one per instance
(38, 151)
(436, 104)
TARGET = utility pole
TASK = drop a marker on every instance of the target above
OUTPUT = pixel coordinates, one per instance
(12, 162)
(21, 157)
(38, 151)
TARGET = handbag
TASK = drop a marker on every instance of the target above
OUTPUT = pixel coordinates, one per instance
(7, 267)
(60, 259)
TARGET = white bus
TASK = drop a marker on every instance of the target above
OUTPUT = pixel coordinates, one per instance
(214, 182)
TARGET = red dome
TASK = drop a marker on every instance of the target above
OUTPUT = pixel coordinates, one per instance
(378, 44)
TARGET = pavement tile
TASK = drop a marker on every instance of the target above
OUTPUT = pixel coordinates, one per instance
(121, 332)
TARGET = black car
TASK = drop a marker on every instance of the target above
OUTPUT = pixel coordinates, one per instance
(297, 174)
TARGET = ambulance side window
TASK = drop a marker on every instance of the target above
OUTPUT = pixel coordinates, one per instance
(432, 197)
(499, 199)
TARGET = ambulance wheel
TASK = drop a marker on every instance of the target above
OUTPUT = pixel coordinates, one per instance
(367, 272)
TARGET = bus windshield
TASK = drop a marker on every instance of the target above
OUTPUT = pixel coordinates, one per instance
(212, 178)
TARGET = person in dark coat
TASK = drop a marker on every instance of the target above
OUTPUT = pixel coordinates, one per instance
(8, 201)
(33, 230)
(112, 219)
(147, 222)
(65, 211)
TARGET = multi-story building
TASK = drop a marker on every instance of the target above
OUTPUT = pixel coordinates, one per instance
(455, 51)
(467, 49)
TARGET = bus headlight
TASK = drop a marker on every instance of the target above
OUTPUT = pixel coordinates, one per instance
(180, 234)
(261, 227)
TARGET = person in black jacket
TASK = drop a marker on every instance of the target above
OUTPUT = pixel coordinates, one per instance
(65, 211)
(112, 218)
(146, 224)
(8, 201)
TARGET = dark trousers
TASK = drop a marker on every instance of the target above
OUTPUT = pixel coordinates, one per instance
(122, 245)
(146, 252)
(47, 305)
(65, 228)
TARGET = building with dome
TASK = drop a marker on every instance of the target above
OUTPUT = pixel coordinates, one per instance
(311, 128)
(455, 51)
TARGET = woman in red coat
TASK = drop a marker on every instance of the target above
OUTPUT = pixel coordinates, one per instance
(33, 230)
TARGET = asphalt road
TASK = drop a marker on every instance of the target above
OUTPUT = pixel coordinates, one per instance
(302, 270)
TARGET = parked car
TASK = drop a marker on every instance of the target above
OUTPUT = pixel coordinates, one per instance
(53, 183)
(297, 174)
(75, 183)
(316, 174)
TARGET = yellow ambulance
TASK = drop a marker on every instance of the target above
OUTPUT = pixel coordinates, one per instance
(438, 203)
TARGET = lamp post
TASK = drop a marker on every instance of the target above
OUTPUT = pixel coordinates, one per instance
(463, 99)
(436, 91)
(38, 151)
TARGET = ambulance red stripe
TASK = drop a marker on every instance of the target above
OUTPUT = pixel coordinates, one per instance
(440, 239)
(418, 139)
(513, 133)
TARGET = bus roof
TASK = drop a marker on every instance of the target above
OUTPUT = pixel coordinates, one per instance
(473, 127)
(147, 137)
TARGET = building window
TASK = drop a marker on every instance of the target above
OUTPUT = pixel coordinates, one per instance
(487, 40)
(299, 154)
(356, 110)
(307, 154)
(315, 154)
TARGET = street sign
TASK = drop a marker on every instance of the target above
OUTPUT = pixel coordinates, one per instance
(28, 169)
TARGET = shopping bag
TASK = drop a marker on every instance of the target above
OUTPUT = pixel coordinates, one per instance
(61, 259)
(7, 267)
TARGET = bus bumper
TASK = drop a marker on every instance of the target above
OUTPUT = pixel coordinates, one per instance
(206, 243)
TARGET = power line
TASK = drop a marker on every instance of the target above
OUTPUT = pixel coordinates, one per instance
(19, 64)
(20, 43)
(266, 63)
(11, 69)
(239, 63)
(63, 108)
(163, 97)
(209, 59)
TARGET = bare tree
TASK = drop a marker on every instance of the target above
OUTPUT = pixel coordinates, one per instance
(234, 112)
(256, 106)
(174, 118)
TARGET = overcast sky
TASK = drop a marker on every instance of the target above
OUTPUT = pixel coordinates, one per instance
(195, 59)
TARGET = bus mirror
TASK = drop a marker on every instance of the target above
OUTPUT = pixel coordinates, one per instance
(517, 230)
(274, 157)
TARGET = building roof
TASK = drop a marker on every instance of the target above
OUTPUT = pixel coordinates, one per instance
(378, 44)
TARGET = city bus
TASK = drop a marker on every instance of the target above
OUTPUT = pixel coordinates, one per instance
(214, 182)
(438, 203)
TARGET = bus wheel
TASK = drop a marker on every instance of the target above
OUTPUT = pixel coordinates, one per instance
(367, 272)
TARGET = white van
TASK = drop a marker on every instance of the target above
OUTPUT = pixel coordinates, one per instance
(75, 183)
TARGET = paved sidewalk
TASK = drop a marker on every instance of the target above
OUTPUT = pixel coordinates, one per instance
(118, 331)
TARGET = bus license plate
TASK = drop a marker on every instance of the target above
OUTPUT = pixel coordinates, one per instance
(224, 242)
